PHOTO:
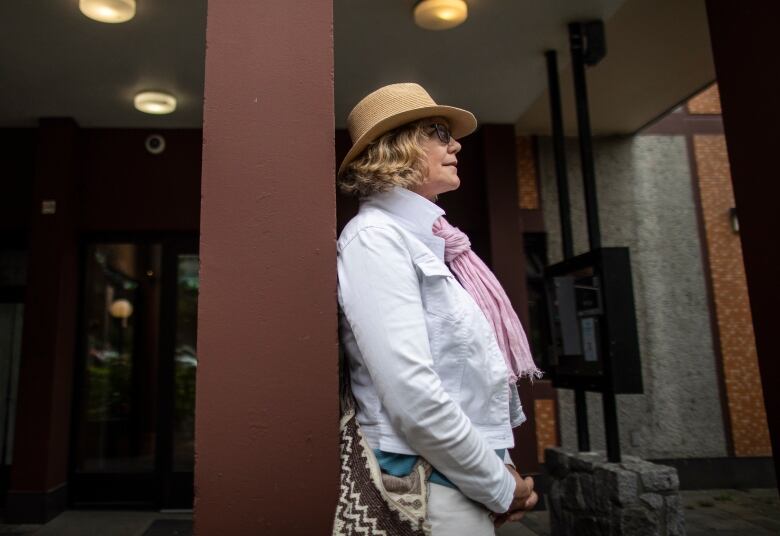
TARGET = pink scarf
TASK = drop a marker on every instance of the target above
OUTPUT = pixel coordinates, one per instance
(483, 286)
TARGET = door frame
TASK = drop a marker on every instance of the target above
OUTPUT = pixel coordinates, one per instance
(16, 241)
(161, 488)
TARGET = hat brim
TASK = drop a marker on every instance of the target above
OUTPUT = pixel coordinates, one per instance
(462, 123)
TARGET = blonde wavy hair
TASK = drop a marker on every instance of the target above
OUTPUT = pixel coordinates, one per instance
(397, 158)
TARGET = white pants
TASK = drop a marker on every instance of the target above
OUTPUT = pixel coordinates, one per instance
(453, 514)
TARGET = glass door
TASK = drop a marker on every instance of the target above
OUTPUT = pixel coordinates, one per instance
(134, 392)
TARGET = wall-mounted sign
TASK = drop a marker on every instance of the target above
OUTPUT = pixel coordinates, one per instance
(590, 301)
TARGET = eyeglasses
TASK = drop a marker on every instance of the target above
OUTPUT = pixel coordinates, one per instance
(442, 132)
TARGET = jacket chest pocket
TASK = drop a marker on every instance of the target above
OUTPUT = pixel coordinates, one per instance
(439, 296)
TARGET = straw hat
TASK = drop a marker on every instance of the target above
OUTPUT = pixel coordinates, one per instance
(390, 107)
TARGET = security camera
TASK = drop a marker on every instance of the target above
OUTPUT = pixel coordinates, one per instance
(155, 143)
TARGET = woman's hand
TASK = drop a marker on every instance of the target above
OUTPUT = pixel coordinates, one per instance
(525, 499)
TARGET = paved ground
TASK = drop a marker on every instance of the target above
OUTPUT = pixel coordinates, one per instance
(103, 523)
(732, 512)
(707, 513)
(725, 512)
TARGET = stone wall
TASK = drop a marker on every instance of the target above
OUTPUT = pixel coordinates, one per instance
(590, 497)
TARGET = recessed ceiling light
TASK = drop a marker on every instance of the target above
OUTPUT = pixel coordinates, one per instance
(440, 14)
(111, 11)
(155, 102)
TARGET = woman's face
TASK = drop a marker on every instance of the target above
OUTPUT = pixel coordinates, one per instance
(441, 163)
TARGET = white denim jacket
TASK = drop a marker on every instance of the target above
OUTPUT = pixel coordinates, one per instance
(425, 367)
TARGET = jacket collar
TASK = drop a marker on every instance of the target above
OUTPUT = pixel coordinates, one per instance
(413, 212)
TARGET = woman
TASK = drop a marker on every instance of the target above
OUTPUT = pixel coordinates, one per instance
(433, 360)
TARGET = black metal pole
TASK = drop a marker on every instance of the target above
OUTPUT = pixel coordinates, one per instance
(581, 414)
(559, 152)
(611, 424)
(578, 53)
(584, 133)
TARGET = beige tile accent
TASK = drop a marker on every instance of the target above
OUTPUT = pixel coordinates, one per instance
(527, 185)
(706, 102)
(732, 306)
(546, 426)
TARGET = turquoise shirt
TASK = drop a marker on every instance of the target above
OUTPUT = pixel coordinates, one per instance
(402, 465)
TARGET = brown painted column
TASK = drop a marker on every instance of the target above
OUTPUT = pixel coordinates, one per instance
(38, 487)
(508, 261)
(267, 389)
(748, 69)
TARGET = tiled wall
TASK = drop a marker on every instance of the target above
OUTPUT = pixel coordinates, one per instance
(749, 431)
(546, 426)
(526, 174)
(706, 102)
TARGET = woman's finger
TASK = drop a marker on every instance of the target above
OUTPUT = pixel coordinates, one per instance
(531, 501)
(516, 516)
(500, 519)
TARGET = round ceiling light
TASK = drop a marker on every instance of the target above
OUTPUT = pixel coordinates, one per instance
(155, 102)
(440, 14)
(111, 11)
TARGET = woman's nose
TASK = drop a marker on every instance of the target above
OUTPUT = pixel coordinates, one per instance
(454, 146)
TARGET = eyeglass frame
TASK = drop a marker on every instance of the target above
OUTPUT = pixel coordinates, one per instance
(442, 132)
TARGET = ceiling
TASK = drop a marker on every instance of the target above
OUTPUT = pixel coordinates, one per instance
(56, 62)
(658, 55)
(493, 64)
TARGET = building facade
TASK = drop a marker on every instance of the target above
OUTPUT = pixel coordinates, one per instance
(125, 269)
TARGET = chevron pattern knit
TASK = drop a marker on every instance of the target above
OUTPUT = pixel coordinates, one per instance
(375, 504)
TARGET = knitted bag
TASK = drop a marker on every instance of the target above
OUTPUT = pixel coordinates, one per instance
(371, 502)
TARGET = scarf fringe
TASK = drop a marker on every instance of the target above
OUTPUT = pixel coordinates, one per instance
(481, 283)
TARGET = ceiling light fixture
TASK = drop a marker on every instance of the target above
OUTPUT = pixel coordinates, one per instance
(111, 11)
(440, 14)
(155, 102)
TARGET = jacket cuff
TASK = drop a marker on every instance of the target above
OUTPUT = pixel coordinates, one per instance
(504, 499)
